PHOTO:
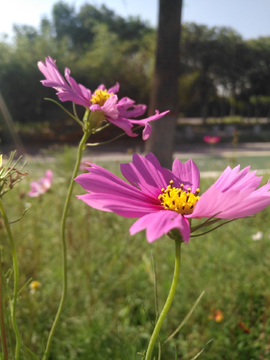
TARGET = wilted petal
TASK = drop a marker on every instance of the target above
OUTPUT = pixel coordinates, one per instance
(125, 103)
(131, 110)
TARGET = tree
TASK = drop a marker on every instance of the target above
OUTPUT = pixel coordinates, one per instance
(164, 93)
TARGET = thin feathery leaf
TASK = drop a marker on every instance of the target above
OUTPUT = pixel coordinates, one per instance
(226, 222)
(186, 317)
(14, 221)
(196, 356)
(62, 107)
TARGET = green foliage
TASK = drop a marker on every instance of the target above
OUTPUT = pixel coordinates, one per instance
(98, 47)
(220, 72)
(110, 303)
(79, 28)
(219, 59)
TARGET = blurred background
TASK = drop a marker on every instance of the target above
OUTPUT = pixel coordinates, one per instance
(224, 78)
(223, 89)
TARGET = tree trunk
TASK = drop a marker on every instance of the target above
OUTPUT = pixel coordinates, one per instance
(164, 94)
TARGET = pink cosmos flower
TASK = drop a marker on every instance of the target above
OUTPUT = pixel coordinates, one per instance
(42, 185)
(103, 102)
(164, 200)
(212, 139)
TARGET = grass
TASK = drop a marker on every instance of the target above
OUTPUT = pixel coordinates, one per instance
(219, 163)
(110, 310)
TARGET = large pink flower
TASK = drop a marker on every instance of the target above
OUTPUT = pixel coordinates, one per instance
(42, 185)
(102, 101)
(164, 200)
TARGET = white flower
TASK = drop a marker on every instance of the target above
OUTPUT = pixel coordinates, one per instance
(257, 236)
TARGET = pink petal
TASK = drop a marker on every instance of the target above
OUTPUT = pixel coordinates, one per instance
(94, 203)
(86, 93)
(101, 87)
(74, 92)
(187, 173)
(42, 185)
(146, 174)
(48, 179)
(160, 223)
(146, 132)
(131, 207)
(150, 118)
(215, 202)
(124, 124)
(120, 122)
(232, 204)
(233, 179)
(125, 103)
(51, 73)
(114, 89)
(104, 183)
(69, 96)
(73, 84)
(35, 189)
(247, 208)
(134, 111)
(109, 108)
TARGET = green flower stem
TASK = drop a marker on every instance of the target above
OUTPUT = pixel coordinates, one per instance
(2, 319)
(64, 247)
(169, 300)
(16, 281)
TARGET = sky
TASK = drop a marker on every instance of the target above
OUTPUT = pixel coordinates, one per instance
(251, 18)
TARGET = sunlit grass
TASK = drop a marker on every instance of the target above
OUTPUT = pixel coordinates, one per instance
(110, 310)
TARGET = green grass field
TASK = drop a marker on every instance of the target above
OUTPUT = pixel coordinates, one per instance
(219, 163)
(110, 308)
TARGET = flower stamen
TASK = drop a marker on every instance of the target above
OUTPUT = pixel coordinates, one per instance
(100, 96)
(178, 200)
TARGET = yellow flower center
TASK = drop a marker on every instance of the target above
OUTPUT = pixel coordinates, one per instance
(99, 97)
(178, 200)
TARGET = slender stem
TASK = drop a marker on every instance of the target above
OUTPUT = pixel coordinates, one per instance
(64, 247)
(101, 128)
(16, 281)
(2, 320)
(168, 301)
(155, 286)
(62, 107)
(105, 142)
